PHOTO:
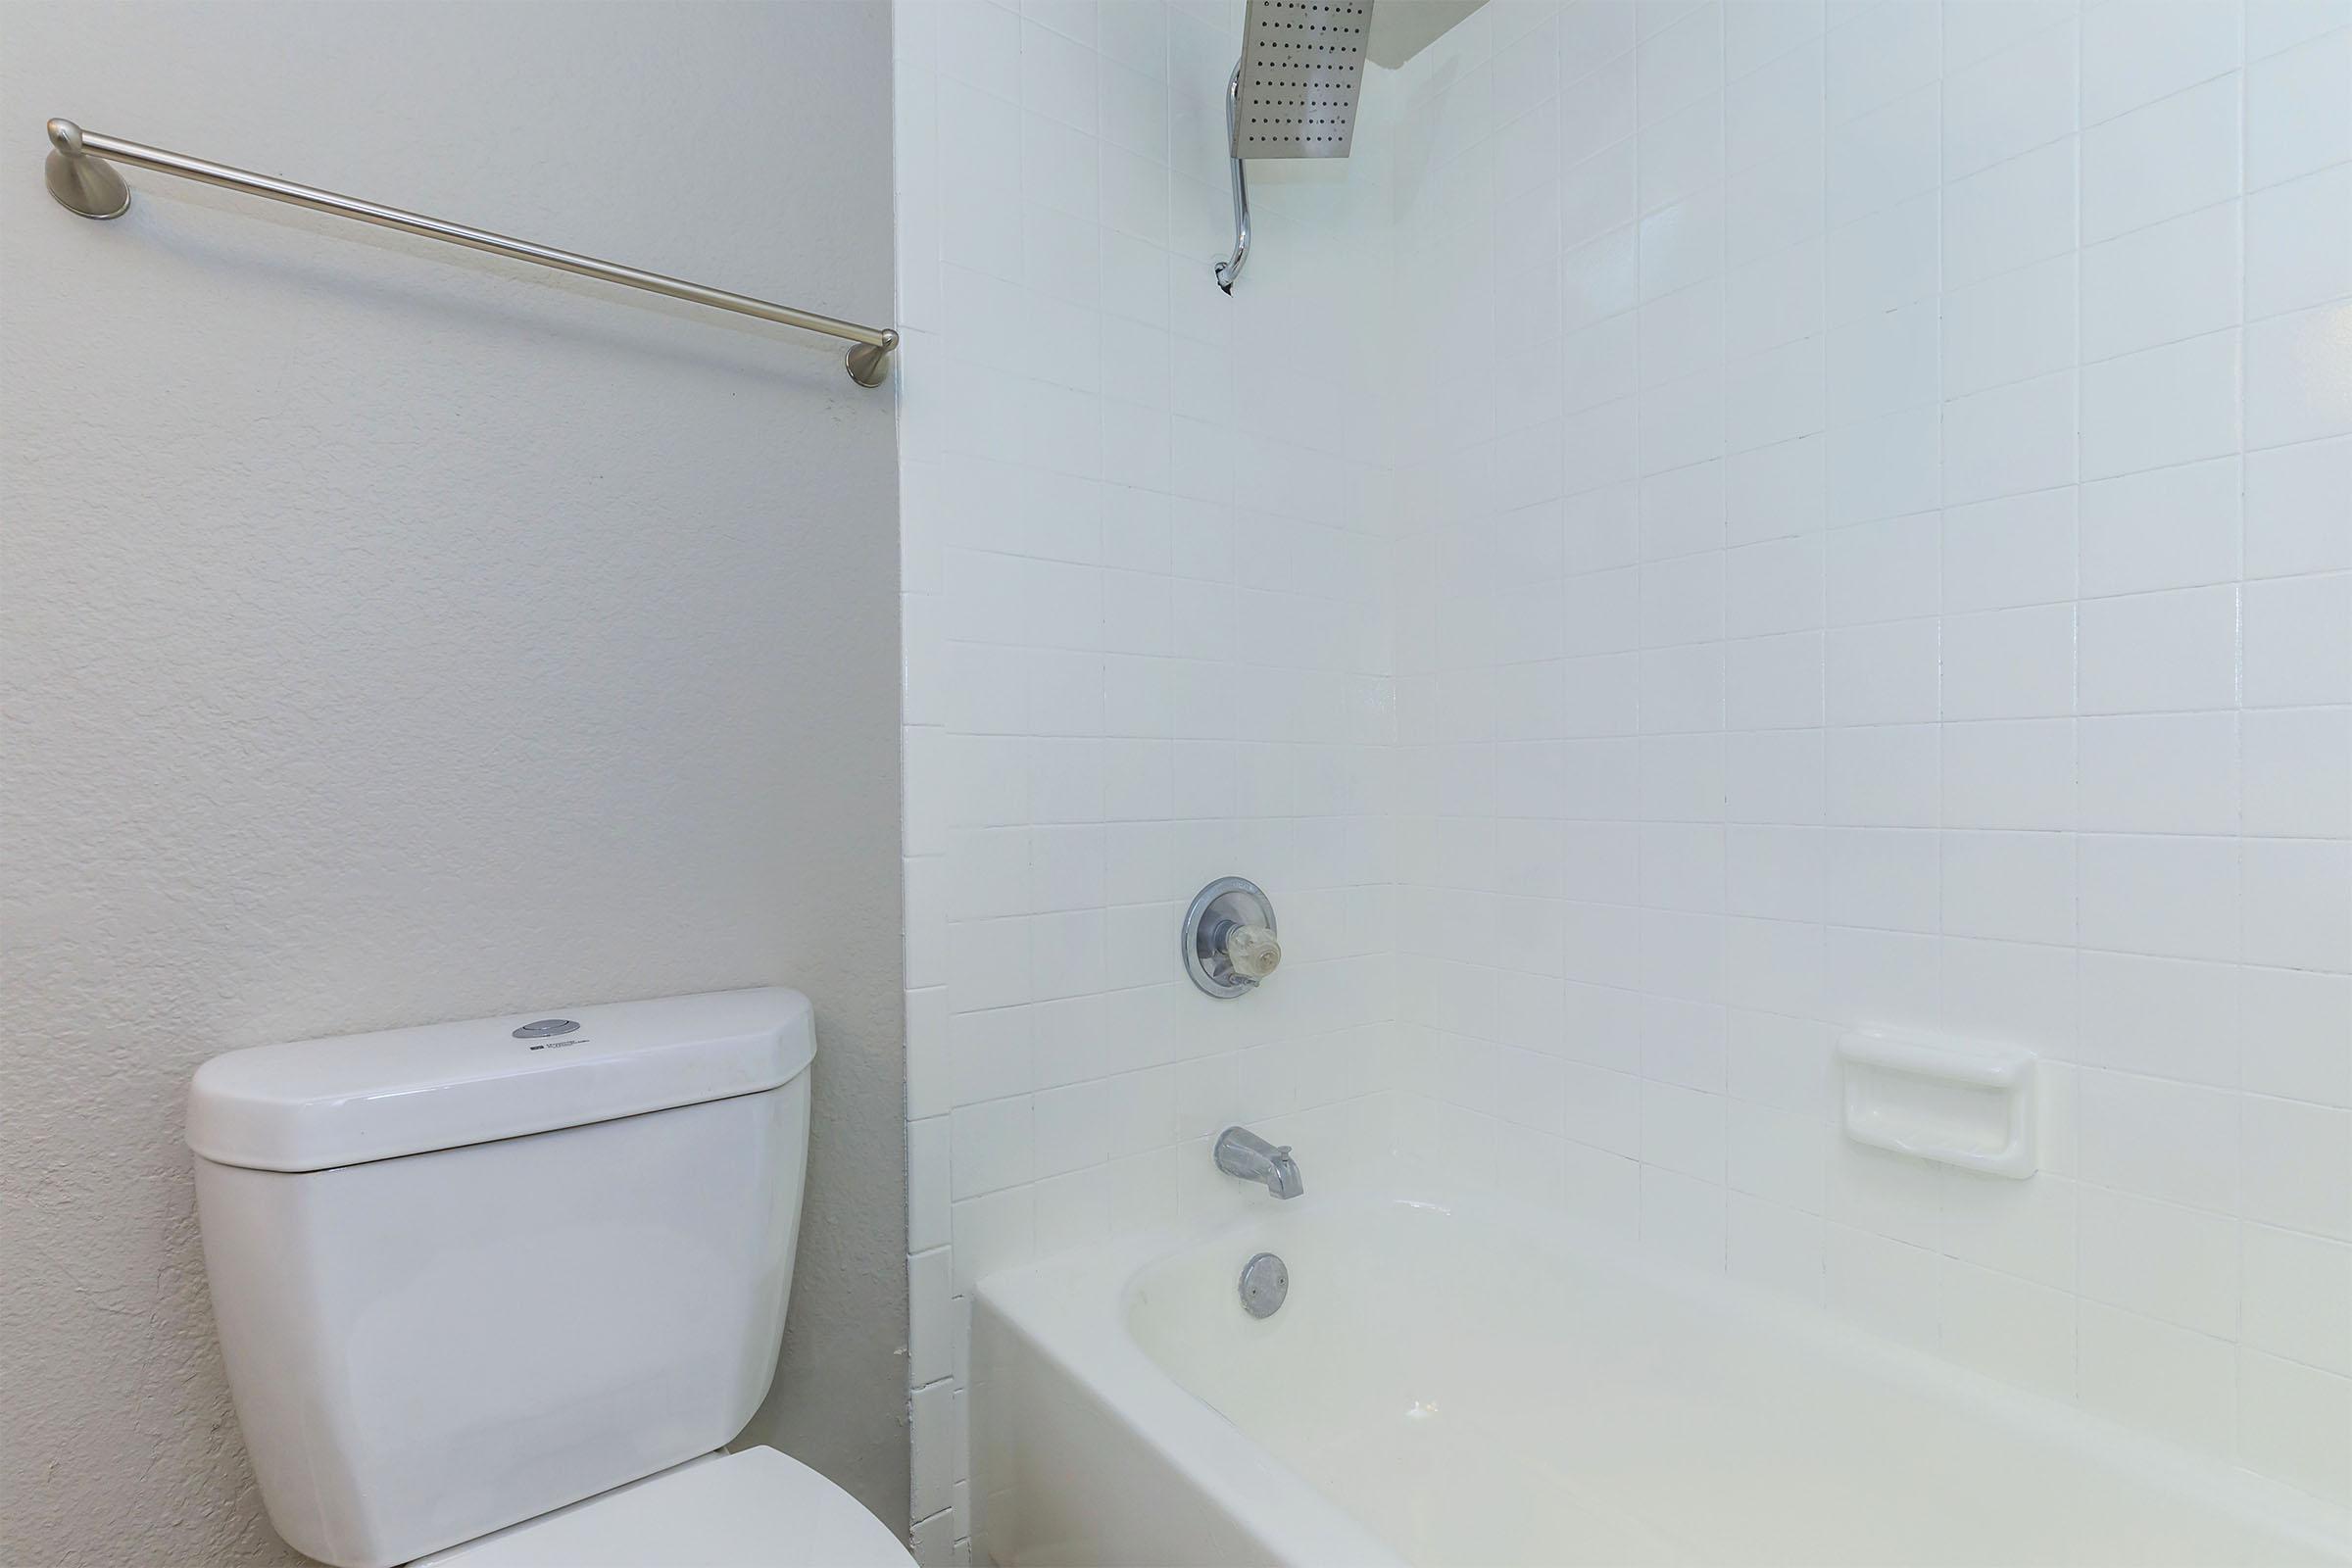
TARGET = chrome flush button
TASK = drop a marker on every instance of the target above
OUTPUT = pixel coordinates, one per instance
(544, 1027)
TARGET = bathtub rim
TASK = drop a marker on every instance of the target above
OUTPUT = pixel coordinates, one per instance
(1072, 1308)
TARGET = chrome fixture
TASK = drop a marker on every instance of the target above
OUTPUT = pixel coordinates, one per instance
(1229, 270)
(1229, 939)
(1241, 1153)
(1292, 94)
(81, 176)
(1265, 1285)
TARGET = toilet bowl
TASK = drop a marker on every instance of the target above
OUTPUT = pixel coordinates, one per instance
(496, 1292)
(754, 1509)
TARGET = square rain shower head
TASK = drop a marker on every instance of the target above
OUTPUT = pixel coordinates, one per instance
(1303, 65)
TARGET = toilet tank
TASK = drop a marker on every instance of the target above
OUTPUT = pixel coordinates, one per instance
(468, 1273)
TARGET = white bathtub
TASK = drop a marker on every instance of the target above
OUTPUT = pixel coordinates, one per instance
(1452, 1384)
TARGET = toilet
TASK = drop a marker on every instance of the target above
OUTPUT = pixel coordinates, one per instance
(495, 1293)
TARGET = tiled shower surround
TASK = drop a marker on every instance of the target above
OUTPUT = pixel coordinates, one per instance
(1720, 522)
(1148, 633)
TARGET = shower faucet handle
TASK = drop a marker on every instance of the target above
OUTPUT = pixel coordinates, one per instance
(1251, 950)
(1229, 942)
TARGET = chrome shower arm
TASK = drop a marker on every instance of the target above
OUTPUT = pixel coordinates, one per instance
(1230, 269)
(1293, 91)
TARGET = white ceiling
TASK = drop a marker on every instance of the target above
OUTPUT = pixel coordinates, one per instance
(1403, 28)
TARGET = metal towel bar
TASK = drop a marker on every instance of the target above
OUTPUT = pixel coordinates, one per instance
(82, 179)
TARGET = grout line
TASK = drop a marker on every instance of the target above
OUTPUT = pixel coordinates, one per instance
(2237, 737)
(2075, 881)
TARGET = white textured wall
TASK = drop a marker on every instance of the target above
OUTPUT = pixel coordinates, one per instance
(393, 634)
(1148, 636)
(1894, 568)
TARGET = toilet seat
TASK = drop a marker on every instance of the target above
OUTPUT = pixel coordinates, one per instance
(754, 1509)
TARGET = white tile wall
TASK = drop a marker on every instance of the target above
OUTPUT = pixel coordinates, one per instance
(1743, 519)
(1938, 616)
(1147, 643)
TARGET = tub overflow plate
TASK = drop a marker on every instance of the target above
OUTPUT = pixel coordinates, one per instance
(1265, 1283)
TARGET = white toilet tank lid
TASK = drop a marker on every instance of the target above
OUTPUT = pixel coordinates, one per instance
(358, 1097)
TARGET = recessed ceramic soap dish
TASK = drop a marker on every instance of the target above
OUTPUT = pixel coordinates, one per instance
(1960, 1102)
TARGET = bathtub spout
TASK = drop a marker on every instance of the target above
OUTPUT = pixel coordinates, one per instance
(1241, 1153)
